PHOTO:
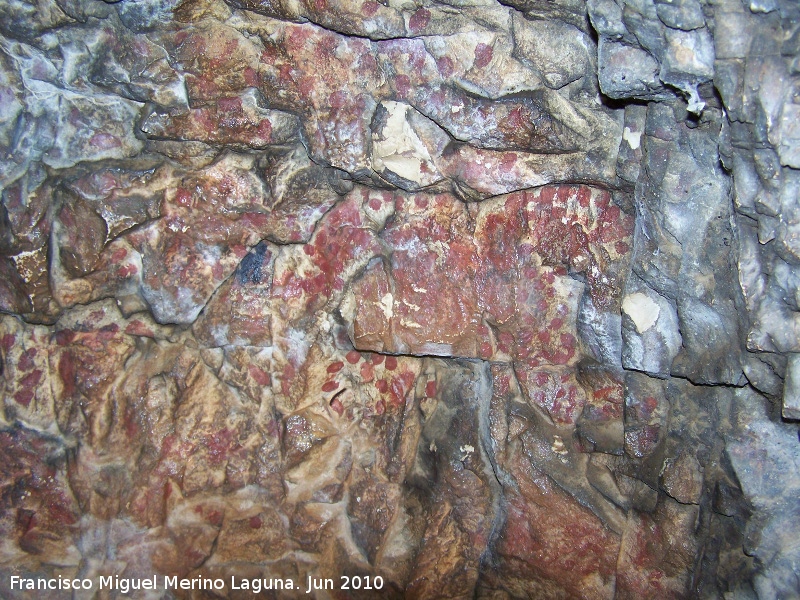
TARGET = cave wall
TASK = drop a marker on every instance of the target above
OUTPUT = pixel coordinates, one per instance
(492, 300)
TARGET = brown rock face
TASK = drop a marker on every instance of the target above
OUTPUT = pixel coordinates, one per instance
(355, 299)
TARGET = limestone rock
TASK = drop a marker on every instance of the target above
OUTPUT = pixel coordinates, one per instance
(461, 299)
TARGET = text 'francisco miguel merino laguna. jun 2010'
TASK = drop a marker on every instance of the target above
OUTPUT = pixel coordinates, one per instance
(257, 585)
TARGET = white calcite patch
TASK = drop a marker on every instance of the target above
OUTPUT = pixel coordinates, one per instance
(400, 149)
(387, 306)
(642, 310)
(632, 137)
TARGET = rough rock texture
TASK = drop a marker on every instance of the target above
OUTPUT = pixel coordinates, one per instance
(464, 299)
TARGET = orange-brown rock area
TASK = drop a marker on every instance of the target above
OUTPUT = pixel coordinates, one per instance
(426, 300)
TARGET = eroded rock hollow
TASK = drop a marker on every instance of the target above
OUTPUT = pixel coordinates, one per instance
(459, 299)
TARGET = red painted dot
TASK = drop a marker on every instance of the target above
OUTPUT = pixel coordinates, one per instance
(445, 66)
(483, 55)
(430, 389)
(255, 523)
(419, 20)
(377, 359)
(119, 254)
(23, 397)
(382, 386)
(353, 356)
(329, 386)
(251, 77)
(367, 371)
(261, 377)
(183, 197)
(508, 162)
(369, 8)
(26, 360)
(8, 340)
(391, 363)
(335, 367)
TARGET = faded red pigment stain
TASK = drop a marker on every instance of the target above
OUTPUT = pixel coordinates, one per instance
(67, 372)
(220, 445)
(446, 66)
(557, 393)
(402, 84)
(337, 406)
(367, 371)
(32, 379)
(24, 397)
(214, 518)
(167, 490)
(507, 162)
(400, 387)
(642, 441)
(338, 99)
(548, 534)
(64, 337)
(130, 422)
(25, 362)
(483, 55)
(644, 410)
(287, 378)
(609, 393)
(260, 376)
(419, 20)
(369, 8)
(126, 271)
(251, 77)
(104, 141)
(138, 328)
(120, 253)
(7, 341)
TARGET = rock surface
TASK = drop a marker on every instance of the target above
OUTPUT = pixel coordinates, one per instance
(468, 299)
